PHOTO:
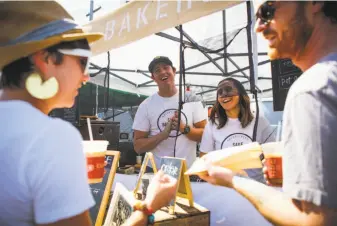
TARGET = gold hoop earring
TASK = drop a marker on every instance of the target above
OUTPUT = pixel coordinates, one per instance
(39, 89)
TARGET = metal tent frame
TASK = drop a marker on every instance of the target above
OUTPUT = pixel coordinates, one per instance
(222, 53)
(191, 43)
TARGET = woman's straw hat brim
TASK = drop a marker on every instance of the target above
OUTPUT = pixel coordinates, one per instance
(30, 26)
(11, 53)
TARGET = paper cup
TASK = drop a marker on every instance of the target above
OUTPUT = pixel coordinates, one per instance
(95, 154)
(139, 159)
(273, 160)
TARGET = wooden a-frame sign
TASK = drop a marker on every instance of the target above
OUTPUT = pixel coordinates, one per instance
(176, 168)
(148, 157)
(101, 191)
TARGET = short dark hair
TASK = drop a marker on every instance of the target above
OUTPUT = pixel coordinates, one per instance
(14, 73)
(157, 60)
(330, 10)
(245, 115)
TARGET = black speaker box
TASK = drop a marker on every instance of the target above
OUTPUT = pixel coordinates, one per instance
(128, 154)
(102, 130)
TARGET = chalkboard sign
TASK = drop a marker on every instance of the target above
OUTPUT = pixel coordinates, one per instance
(284, 74)
(121, 206)
(68, 114)
(176, 168)
(148, 157)
(101, 191)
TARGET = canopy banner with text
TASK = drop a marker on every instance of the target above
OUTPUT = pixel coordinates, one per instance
(138, 19)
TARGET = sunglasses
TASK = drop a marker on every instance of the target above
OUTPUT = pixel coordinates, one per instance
(227, 90)
(83, 54)
(266, 12)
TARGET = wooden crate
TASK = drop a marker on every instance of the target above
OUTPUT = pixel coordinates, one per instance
(184, 215)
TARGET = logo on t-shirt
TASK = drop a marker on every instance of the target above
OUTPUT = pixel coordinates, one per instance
(164, 118)
(236, 139)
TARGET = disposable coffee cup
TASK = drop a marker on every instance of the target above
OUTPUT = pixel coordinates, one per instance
(273, 160)
(95, 152)
(139, 159)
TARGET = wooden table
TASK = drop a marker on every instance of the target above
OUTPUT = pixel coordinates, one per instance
(226, 206)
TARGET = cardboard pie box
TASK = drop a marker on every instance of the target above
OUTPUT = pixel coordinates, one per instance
(235, 158)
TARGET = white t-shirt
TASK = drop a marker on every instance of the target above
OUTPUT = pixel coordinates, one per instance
(232, 134)
(309, 135)
(152, 116)
(43, 171)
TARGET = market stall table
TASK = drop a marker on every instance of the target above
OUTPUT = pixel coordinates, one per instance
(227, 206)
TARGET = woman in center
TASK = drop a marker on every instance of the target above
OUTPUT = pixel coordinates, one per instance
(231, 123)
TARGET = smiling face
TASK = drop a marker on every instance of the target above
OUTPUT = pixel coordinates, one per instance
(163, 74)
(229, 103)
(228, 95)
(287, 30)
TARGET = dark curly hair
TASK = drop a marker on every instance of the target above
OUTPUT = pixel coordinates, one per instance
(245, 115)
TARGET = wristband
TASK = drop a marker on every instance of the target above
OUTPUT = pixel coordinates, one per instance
(141, 206)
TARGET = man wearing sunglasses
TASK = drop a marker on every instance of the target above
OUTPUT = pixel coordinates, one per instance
(305, 32)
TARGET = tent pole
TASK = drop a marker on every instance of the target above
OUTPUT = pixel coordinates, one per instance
(113, 106)
(91, 17)
(232, 72)
(200, 49)
(250, 47)
(181, 80)
(224, 40)
(251, 64)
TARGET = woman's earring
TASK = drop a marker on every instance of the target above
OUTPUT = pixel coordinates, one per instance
(39, 89)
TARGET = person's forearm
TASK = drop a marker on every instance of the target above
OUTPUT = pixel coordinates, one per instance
(142, 145)
(195, 134)
(137, 218)
(272, 204)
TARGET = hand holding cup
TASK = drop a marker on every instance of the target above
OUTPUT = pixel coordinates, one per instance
(272, 162)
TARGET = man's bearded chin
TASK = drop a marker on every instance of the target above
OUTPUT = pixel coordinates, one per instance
(278, 53)
(292, 44)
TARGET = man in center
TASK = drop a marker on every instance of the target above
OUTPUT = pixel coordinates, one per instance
(155, 123)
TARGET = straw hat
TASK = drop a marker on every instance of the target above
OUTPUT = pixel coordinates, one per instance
(30, 26)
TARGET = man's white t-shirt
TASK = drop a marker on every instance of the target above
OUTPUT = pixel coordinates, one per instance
(43, 170)
(152, 116)
(232, 134)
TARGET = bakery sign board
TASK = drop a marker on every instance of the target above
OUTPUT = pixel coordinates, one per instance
(138, 19)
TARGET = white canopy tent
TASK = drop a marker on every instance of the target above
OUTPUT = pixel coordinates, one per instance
(130, 61)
